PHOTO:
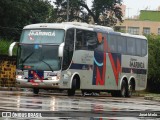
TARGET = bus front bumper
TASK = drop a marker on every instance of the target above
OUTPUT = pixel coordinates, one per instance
(44, 84)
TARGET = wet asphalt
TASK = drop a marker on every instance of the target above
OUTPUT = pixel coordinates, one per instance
(58, 105)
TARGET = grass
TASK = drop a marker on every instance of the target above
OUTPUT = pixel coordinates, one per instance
(150, 15)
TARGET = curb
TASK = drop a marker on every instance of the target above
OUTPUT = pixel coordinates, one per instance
(152, 97)
(138, 94)
(10, 88)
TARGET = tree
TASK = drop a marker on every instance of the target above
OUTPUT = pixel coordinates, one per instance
(109, 10)
(103, 12)
(153, 82)
(61, 10)
(15, 14)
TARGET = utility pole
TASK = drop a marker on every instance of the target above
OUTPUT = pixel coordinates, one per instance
(67, 10)
(128, 11)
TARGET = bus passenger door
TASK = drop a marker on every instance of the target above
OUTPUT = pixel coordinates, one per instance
(68, 49)
(67, 58)
(86, 42)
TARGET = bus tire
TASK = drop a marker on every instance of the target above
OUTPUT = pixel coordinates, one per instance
(35, 90)
(121, 93)
(124, 89)
(130, 89)
(71, 92)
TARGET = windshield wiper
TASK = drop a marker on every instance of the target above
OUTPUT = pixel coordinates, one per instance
(27, 58)
(47, 65)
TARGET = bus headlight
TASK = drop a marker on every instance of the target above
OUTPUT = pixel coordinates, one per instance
(54, 78)
(19, 76)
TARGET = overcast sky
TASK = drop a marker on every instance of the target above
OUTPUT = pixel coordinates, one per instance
(133, 7)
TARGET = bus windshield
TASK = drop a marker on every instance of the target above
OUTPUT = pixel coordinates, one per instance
(38, 57)
(55, 36)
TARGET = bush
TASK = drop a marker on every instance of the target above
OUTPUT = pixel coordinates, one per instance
(153, 63)
(4, 46)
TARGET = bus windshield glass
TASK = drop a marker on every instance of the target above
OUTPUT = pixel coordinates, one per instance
(38, 57)
(55, 36)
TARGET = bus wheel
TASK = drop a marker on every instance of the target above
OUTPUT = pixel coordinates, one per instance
(124, 89)
(71, 92)
(130, 89)
(35, 90)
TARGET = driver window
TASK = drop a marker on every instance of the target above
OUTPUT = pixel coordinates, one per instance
(85, 40)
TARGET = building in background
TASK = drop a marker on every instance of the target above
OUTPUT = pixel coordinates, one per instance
(123, 8)
(148, 22)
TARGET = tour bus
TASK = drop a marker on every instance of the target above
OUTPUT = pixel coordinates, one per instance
(71, 56)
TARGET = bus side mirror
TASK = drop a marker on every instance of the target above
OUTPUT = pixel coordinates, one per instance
(60, 50)
(10, 51)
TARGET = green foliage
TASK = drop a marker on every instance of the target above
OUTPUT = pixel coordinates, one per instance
(109, 10)
(15, 14)
(153, 63)
(103, 12)
(4, 46)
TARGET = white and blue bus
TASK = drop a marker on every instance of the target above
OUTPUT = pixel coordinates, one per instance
(72, 56)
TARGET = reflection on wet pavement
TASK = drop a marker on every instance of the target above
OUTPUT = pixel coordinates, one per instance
(26, 101)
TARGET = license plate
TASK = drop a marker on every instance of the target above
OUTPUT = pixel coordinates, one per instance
(35, 84)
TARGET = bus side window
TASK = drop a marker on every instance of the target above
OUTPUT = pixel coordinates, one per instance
(112, 41)
(100, 42)
(138, 47)
(121, 40)
(91, 40)
(100, 47)
(144, 47)
(68, 48)
(79, 39)
(131, 46)
(85, 40)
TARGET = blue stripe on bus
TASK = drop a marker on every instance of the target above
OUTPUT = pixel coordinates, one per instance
(124, 70)
(134, 71)
(97, 63)
(81, 66)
